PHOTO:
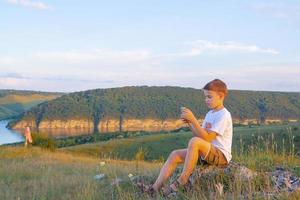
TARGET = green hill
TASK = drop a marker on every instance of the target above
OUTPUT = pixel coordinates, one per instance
(158, 146)
(14, 102)
(162, 103)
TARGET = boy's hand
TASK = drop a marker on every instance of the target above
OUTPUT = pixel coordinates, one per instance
(187, 116)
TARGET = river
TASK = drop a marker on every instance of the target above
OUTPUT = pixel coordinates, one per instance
(8, 136)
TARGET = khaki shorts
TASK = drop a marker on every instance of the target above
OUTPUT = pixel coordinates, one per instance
(215, 157)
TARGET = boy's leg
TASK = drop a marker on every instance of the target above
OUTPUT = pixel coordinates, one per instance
(176, 157)
(197, 146)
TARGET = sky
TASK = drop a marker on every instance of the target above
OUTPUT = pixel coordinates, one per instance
(67, 46)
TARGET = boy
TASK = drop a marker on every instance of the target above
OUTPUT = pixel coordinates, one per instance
(212, 141)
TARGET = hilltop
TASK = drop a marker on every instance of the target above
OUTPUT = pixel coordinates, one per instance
(15, 102)
(153, 109)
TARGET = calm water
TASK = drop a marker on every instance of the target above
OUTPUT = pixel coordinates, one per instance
(8, 136)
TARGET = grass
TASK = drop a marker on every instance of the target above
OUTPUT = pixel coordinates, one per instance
(35, 173)
(67, 173)
(12, 105)
(158, 146)
(25, 99)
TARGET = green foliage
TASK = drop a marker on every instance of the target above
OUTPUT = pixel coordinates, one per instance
(163, 103)
(25, 92)
(246, 141)
(84, 139)
(43, 141)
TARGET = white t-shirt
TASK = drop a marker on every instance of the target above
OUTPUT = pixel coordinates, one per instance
(220, 122)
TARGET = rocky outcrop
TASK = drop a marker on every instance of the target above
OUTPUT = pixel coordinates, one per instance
(233, 171)
(22, 124)
(284, 180)
(66, 124)
(267, 121)
(54, 124)
(274, 182)
(249, 184)
(105, 125)
(152, 125)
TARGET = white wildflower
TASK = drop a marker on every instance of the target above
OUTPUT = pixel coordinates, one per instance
(130, 175)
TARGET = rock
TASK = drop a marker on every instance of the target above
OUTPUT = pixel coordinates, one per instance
(120, 136)
(99, 176)
(281, 179)
(220, 180)
(234, 170)
(132, 178)
(284, 180)
(116, 181)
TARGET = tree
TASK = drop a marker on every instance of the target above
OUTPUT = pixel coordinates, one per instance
(122, 109)
(262, 107)
(97, 113)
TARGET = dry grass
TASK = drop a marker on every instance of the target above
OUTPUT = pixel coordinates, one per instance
(35, 173)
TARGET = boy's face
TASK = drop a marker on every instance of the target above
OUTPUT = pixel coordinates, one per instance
(213, 99)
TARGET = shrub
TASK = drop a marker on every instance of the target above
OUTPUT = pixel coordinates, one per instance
(44, 141)
(140, 154)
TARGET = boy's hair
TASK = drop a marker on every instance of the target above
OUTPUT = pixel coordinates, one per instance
(216, 85)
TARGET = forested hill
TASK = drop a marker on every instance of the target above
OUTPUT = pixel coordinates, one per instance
(162, 103)
(15, 102)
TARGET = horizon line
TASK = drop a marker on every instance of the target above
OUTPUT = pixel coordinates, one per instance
(233, 89)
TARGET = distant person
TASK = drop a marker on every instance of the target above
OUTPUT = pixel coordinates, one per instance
(211, 142)
(28, 138)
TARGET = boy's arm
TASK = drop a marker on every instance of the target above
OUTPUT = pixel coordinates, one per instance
(198, 131)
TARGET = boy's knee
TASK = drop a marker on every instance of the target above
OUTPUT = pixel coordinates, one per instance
(195, 141)
(173, 157)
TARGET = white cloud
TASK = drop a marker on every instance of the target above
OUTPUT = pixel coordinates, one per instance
(201, 46)
(85, 69)
(30, 4)
(10, 82)
(102, 68)
(11, 75)
(5, 60)
(268, 77)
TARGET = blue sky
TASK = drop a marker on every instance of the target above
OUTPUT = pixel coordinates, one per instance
(78, 45)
